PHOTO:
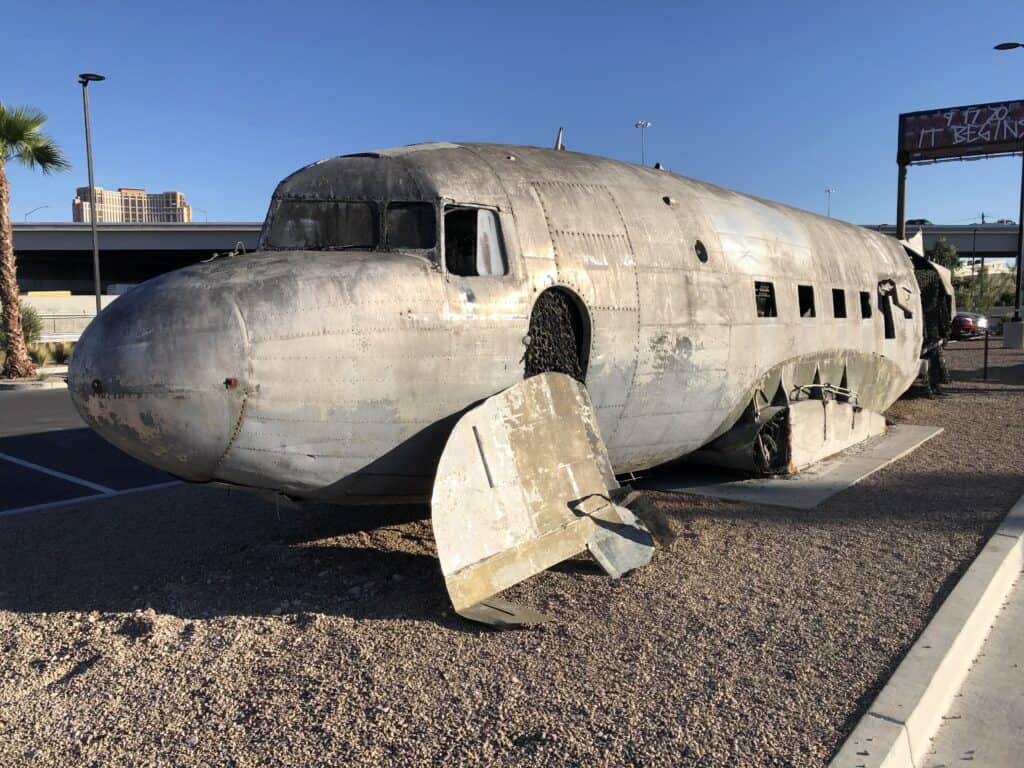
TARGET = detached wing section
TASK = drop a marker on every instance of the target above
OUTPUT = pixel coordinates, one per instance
(524, 483)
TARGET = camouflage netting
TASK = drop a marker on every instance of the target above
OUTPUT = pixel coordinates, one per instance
(554, 324)
(934, 304)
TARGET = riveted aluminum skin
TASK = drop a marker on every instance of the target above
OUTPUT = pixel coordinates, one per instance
(338, 375)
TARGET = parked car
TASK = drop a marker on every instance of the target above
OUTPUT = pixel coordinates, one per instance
(967, 325)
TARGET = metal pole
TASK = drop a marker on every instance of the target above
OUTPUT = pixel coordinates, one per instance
(901, 204)
(38, 208)
(1020, 243)
(92, 196)
(984, 370)
(974, 251)
(643, 125)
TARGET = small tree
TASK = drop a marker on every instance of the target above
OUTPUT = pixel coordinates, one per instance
(21, 140)
(945, 253)
(983, 291)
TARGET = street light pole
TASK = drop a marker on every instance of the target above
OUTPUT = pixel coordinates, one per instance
(37, 208)
(828, 199)
(84, 79)
(643, 125)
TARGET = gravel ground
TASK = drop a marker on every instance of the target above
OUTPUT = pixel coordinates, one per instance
(196, 626)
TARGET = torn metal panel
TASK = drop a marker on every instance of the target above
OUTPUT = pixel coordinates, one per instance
(823, 428)
(523, 484)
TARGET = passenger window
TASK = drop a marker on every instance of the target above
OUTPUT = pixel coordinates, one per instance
(472, 243)
(838, 303)
(865, 305)
(805, 293)
(764, 296)
(411, 225)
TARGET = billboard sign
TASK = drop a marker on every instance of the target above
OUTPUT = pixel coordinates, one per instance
(958, 132)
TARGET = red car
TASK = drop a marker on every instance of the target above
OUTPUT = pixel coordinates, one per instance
(968, 324)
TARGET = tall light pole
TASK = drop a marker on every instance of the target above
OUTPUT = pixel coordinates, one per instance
(1020, 215)
(37, 208)
(828, 200)
(643, 125)
(84, 79)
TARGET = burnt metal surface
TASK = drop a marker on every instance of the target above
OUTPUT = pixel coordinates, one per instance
(352, 366)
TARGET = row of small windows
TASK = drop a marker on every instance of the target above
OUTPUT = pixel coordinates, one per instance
(764, 298)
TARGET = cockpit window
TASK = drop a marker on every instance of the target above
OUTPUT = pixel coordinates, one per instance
(321, 225)
(411, 225)
(472, 243)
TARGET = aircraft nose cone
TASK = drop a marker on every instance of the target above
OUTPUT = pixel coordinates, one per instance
(161, 374)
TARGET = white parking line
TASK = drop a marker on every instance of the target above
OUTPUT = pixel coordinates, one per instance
(91, 497)
(54, 473)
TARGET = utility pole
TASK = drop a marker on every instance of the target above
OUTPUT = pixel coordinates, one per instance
(828, 199)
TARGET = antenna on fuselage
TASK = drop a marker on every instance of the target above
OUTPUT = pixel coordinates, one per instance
(559, 144)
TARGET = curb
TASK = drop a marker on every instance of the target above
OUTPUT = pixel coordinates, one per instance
(896, 730)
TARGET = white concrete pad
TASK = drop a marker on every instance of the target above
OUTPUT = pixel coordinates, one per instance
(805, 490)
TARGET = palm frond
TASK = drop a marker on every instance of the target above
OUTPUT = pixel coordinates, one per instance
(21, 138)
(42, 152)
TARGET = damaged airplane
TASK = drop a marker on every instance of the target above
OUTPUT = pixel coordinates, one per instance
(503, 330)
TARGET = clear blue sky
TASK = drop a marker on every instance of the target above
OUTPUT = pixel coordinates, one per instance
(221, 100)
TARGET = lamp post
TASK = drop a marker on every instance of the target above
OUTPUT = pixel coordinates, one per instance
(37, 208)
(643, 125)
(84, 79)
(828, 200)
(1020, 216)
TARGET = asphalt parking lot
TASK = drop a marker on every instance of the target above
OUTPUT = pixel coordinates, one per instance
(48, 456)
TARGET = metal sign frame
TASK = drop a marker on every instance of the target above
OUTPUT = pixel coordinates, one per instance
(956, 133)
(959, 133)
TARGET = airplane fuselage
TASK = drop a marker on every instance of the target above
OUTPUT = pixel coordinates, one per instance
(331, 363)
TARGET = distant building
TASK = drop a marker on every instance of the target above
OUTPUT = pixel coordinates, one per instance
(131, 206)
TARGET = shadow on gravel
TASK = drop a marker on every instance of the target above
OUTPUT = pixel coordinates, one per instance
(209, 552)
(1012, 374)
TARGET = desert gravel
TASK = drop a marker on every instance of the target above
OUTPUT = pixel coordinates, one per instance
(195, 626)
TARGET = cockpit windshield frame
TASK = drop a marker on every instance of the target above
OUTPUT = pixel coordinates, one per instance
(420, 219)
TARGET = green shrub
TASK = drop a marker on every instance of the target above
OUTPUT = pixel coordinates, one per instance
(39, 353)
(31, 326)
(62, 352)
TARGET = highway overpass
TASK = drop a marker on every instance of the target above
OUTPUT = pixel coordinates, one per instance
(58, 256)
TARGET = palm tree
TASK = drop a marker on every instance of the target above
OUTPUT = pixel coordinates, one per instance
(21, 140)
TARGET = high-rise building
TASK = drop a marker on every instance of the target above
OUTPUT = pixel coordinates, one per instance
(131, 206)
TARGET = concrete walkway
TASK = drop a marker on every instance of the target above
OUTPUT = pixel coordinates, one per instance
(985, 724)
(957, 698)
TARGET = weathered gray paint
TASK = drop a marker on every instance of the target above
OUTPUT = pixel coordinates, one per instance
(338, 375)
